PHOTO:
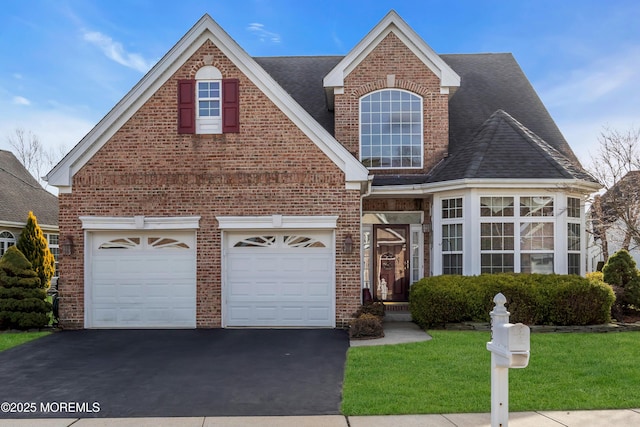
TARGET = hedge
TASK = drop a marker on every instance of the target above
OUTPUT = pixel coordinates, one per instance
(533, 299)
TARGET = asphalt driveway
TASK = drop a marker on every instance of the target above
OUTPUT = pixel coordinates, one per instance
(165, 373)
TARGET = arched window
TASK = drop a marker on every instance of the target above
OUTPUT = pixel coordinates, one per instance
(6, 239)
(209, 95)
(391, 129)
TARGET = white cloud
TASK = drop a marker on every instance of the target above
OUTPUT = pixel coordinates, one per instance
(603, 78)
(21, 100)
(262, 34)
(116, 52)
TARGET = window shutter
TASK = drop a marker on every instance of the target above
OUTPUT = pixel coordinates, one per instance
(186, 106)
(230, 106)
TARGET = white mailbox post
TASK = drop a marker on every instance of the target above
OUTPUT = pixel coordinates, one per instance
(509, 347)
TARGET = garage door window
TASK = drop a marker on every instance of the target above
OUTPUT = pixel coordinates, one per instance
(122, 243)
(166, 243)
(284, 241)
(136, 243)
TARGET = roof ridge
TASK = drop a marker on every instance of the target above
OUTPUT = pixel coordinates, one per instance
(21, 179)
(489, 127)
(550, 154)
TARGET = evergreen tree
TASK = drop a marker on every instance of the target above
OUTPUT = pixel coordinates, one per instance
(22, 301)
(621, 273)
(34, 246)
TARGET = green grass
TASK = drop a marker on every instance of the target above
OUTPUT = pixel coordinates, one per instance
(452, 374)
(12, 339)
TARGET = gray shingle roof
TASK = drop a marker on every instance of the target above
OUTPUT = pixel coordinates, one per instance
(21, 193)
(489, 83)
(301, 77)
(504, 148)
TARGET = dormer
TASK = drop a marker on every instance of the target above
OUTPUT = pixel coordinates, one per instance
(391, 23)
(390, 97)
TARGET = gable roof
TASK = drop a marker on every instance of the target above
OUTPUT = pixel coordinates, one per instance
(20, 193)
(393, 23)
(205, 29)
(504, 148)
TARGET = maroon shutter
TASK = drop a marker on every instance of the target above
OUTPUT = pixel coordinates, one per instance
(186, 106)
(230, 106)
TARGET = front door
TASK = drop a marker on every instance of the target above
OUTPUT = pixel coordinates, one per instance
(392, 262)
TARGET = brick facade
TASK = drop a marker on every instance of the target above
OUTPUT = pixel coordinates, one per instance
(269, 167)
(371, 75)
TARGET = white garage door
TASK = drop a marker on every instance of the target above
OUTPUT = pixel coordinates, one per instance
(142, 280)
(280, 279)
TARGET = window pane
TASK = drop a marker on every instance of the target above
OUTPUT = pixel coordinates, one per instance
(496, 206)
(452, 264)
(416, 271)
(452, 208)
(536, 206)
(536, 263)
(573, 239)
(496, 263)
(496, 236)
(574, 264)
(394, 126)
(573, 207)
(536, 236)
(451, 237)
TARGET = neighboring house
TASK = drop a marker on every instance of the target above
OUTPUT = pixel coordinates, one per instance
(615, 221)
(225, 190)
(20, 193)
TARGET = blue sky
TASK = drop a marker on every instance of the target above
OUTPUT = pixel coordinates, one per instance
(65, 63)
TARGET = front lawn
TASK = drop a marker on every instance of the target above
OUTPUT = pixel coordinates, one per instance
(12, 339)
(452, 374)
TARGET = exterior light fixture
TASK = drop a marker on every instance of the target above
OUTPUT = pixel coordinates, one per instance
(67, 246)
(347, 245)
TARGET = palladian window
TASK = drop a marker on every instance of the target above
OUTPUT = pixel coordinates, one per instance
(391, 129)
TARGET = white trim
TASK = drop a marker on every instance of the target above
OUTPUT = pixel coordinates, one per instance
(229, 223)
(91, 223)
(572, 185)
(205, 29)
(393, 23)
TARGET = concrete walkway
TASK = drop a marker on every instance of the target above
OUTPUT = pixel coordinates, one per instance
(396, 333)
(618, 418)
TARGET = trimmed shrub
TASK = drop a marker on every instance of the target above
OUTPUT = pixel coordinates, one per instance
(438, 300)
(22, 301)
(621, 273)
(375, 308)
(533, 299)
(366, 326)
(620, 269)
